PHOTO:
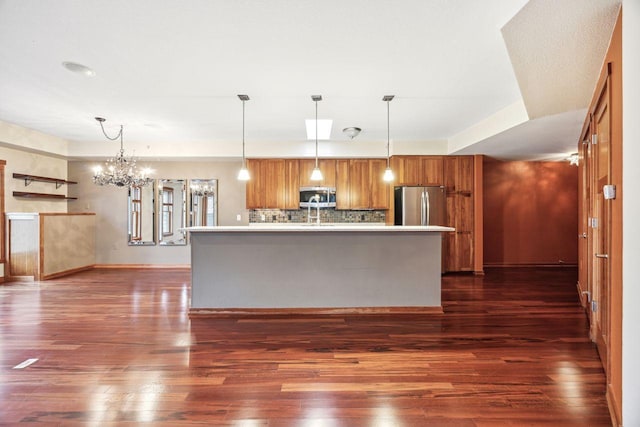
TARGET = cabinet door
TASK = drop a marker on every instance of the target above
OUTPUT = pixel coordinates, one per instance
(328, 168)
(465, 174)
(359, 180)
(379, 197)
(464, 251)
(432, 171)
(464, 212)
(274, 183)
(292, 184)
(255, 188)
(458, 180)
(342, 185)
(450, 173)
(407, 170)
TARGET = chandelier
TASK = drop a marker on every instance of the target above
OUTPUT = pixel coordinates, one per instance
(120, 171)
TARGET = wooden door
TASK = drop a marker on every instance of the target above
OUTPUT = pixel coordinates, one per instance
(292, 184)
(407, 170)
(458, 246)
(464, 178)
(274, 179)
(450, 173)
(359, 191)
(342, 185)
(584, 215)
(464, 231)
(255, 197)
(432, 171)
(328, 168)
(601, 226)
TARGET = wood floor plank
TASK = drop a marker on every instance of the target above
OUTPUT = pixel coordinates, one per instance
(117, 347)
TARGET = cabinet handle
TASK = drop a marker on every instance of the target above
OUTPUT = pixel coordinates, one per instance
(583, 235)
(602, 256)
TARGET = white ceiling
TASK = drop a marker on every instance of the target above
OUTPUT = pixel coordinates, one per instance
(170, 70)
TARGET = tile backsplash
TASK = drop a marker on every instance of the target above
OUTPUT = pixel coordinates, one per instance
(326, 215)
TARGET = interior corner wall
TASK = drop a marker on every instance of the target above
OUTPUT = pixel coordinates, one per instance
(110, 206)
(34, 164)
(530, 213)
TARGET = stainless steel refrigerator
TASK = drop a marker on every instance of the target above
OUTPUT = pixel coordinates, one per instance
(420, 206)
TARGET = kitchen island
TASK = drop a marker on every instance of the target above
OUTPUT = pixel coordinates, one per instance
(315, 268)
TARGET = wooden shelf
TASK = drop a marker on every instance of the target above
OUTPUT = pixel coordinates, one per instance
(28, 179)
(28, 195)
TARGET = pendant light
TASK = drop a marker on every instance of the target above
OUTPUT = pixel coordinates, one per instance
(316, 175)
(388, 173)
(243, 174)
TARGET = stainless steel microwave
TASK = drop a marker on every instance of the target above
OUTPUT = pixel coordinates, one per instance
(326, 197)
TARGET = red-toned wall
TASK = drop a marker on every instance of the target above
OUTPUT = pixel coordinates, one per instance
(530, 213)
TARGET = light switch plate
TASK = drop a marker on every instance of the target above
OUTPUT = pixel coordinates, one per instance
(609, 192)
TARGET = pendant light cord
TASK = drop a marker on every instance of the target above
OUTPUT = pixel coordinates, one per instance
(388, 134)
(243, 158)
(119, 135)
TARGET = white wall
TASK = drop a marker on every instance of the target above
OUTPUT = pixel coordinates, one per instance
(110, 206)
(631, 212)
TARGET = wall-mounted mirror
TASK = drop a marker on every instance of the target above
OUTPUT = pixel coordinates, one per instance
(141, 217)
(204, 202)
(172, 212)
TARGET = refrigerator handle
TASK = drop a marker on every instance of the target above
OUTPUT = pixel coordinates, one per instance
(423, 207)
(426, 193)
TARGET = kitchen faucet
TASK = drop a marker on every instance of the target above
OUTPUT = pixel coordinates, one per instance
(317, 215)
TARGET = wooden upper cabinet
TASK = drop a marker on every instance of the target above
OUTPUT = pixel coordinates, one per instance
(292, 184)
(342, 185)
(275, 183)
(451, 174)
(255, 197)
(465, 174)
(359, 184)
(379, 190)
(407, 169)
(418, 170)
(328, 168)
(274, 173)
(268, 186)
(432, 170)
(363, 178)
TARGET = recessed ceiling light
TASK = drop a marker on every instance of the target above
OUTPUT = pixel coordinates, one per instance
(324, 129)
(74, 67)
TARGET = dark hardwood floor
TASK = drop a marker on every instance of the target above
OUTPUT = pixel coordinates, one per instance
(116, 347)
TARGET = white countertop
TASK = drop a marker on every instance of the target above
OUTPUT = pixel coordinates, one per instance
(285, 228)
